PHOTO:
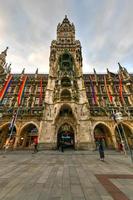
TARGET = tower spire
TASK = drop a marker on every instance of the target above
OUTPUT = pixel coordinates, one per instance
(5, 51)
(65, 30)
(3, 60)
(3, 55)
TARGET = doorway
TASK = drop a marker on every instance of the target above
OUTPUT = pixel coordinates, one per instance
(66, 135)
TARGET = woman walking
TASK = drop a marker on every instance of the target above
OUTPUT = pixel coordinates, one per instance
(101, 150)
(35, 144)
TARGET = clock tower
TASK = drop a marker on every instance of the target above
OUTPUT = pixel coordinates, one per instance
(66, 111)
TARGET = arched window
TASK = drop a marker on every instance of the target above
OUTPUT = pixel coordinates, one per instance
(65, 95)
(66, 111)
(65, 82)
(66, 62)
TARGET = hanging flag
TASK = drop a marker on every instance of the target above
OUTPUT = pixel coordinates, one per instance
(93, 91)
(5, 88)
(95, 75)
(108, 91)
(21, 90)
(41, 91)
(120, 89)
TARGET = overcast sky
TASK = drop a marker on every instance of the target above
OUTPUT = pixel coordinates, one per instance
(104, 27)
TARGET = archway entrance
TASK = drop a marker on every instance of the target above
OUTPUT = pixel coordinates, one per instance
(27, 135)
(121, 131)
(102, 132)
(66, 134)
(5, 134)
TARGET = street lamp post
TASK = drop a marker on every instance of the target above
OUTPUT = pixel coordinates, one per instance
(119, 118)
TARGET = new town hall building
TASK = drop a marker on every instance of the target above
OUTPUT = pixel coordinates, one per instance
(65, 103)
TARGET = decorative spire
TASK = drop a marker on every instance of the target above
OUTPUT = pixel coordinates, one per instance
(36, 73)
(3, 57)
(3, 61)
(96, 77)
(65, 29)
(120, 67)
(94, 71)
(107, 71)
(23, 71)
(65, 20)
(5, 51)
(123, 71)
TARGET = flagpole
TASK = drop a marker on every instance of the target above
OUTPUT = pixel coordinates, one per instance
(20, 95)
(8, 139)
(14, 123)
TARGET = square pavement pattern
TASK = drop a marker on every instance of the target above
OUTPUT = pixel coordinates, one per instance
(72, 175)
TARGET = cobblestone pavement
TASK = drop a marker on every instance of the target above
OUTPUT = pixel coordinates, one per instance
(72, 175)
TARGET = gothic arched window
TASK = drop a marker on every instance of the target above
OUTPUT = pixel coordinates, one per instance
(65, 95)
(66, 62)
(65, 82)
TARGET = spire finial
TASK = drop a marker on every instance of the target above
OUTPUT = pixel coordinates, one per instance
(36, 73)
(120, 67)
(94, 70)
(107, 70)
(23, 71)
(5, 51)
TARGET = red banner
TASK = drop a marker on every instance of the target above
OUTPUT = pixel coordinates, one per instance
(21, 90)
(108, 91)
(121, 89)
(5, 88)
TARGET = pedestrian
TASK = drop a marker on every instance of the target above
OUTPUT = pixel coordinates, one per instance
(101, 150)
(96, 143)
(62, 145)
(120, 147)
(35, 144)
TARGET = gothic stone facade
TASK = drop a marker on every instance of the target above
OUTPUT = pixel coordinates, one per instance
(73, 105)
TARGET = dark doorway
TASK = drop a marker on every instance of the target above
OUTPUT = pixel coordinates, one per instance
(66, 136)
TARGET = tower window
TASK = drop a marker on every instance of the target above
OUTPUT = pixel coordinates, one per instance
(65, 82)
(66, 62)
(65, 95)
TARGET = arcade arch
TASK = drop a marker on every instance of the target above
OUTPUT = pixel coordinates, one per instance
(27, 134)
(122, 130)
(102, 131)
(5, 133)
(66, 126)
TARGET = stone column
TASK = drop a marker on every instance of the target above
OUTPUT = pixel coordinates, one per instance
(17, 136)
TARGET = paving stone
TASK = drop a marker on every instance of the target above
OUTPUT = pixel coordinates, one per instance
(51, 175)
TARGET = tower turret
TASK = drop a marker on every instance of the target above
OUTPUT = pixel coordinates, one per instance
(65, 31)
(3, 61)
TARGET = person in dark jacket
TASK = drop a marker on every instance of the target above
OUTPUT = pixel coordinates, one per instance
(62, 145)
(101, 150)
(35, 144)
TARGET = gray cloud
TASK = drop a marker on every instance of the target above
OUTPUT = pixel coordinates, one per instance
(109, 35)
(105, 29)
